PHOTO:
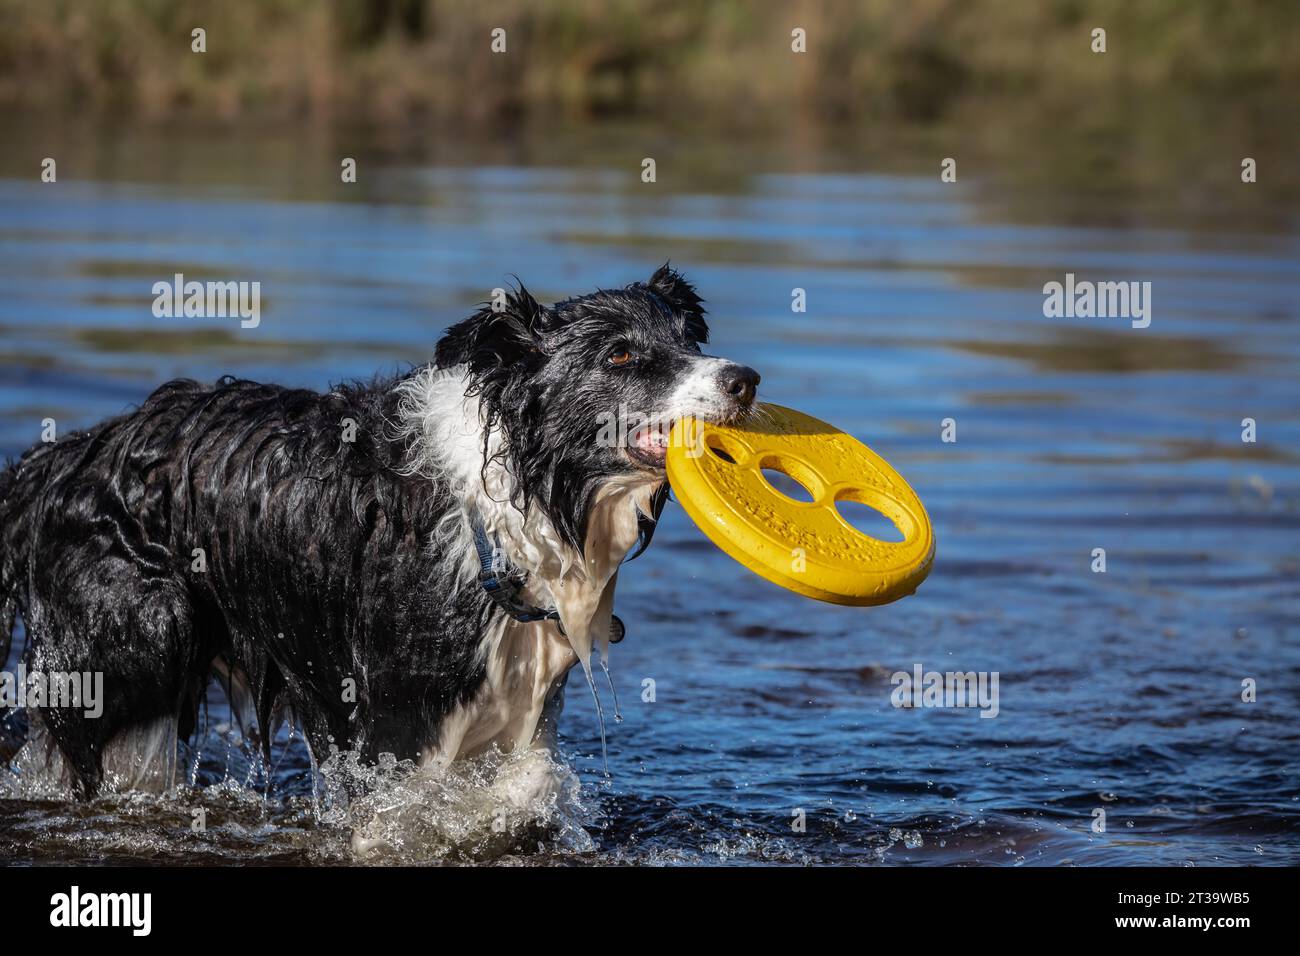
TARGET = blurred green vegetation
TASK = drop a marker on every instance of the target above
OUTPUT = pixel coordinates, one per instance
(725, 59)
(1152, 131)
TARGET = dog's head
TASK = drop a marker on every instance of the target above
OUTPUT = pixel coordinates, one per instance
(587, 390)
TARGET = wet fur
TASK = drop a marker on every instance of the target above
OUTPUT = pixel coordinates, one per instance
(328, 560)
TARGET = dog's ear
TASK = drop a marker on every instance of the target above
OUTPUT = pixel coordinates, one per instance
(671, 286)
(496, 336)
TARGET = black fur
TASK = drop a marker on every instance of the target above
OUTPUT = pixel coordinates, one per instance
(542, 376)
(318, 565)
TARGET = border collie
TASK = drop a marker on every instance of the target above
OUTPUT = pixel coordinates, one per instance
(410, 566)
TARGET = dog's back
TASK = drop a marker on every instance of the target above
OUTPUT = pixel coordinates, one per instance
(261, 528)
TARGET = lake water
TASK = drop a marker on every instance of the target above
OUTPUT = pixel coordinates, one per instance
(1119, 691)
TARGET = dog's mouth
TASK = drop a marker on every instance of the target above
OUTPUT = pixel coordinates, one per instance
(648, 445)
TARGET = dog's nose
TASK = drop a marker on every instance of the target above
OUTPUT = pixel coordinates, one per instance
(740, 382)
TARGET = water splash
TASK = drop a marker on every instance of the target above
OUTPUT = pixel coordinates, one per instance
(475, 810)
(231, 805)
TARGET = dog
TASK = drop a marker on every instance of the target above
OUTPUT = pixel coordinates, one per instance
(410, 566)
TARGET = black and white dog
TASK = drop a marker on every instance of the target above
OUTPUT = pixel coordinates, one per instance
(408, 567)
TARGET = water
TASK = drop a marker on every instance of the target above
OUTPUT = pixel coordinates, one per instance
(1120, 691)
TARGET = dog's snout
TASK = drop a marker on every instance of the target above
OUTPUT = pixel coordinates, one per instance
(740, 382)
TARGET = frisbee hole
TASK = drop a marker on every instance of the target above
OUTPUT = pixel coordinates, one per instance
(787, 485)
(722, 449)
(866, 520)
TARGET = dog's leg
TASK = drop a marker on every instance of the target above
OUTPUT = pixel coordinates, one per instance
(142, 757)
(123, 626)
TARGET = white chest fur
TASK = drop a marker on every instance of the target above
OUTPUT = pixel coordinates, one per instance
(525, 662)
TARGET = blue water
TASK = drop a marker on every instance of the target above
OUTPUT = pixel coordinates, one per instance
(1120, 690)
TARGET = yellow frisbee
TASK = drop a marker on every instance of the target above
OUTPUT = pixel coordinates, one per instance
(716, 472)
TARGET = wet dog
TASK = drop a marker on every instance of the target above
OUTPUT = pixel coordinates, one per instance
(410, 566)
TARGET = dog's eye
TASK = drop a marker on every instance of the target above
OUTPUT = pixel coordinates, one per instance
(620, 358)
